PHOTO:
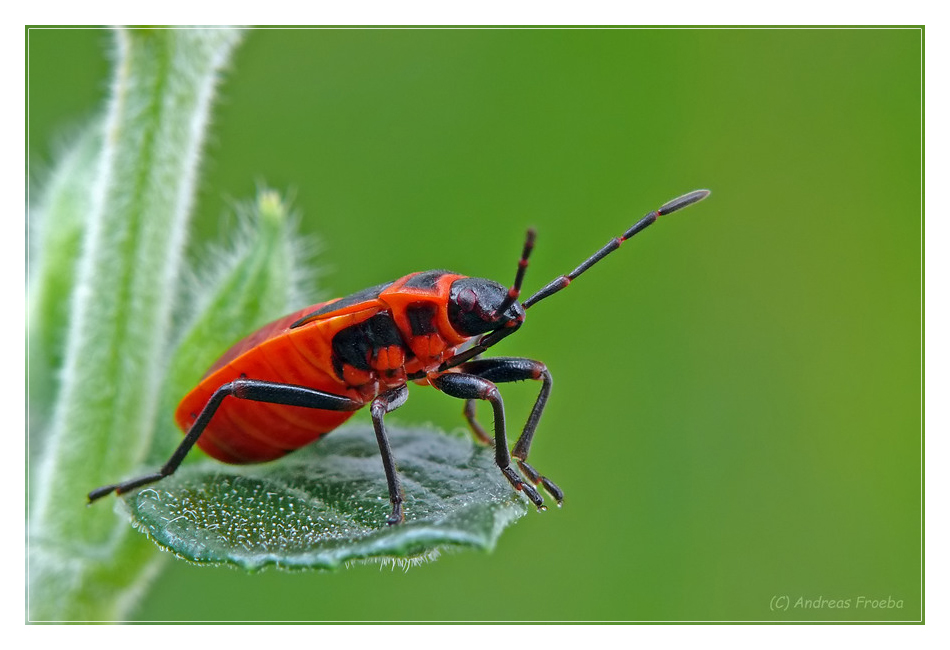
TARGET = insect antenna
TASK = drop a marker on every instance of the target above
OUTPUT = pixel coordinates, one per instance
(555, 285)
(515, 289)
(563, 281)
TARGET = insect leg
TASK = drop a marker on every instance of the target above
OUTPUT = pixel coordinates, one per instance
(506, 369)
(249, 389)
(468, 411)
(477, 429)
(383, 404)
(466, 386)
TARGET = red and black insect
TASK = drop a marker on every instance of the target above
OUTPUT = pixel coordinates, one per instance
(303, 375)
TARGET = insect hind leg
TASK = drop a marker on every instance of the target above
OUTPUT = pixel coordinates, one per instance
(249, 389)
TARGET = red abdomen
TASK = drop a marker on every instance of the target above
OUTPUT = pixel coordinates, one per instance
(243, 431)
(392, 329)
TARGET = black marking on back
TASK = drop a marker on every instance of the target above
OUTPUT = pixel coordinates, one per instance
(425, 280)
(357, 344)
(421, 317)
(352, 299)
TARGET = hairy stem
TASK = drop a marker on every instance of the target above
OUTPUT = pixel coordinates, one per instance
(57, 223)
(85, 563)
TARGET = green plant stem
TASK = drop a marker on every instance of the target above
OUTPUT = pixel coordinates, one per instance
(85, 563)
(57, 223)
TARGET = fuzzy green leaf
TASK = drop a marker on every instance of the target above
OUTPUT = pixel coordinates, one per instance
(258, 277)
(327, 504)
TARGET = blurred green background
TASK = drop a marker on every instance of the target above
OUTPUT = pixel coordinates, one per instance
(737, 404)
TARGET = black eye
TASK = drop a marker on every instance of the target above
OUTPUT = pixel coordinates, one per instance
(472, 305)
(467, 299)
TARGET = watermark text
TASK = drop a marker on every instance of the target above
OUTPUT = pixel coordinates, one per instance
(785, 603)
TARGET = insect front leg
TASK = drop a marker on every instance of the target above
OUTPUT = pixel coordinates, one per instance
(468, 386)
(507, 369)
(383, 404)
(477, 429)
(249, 389)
